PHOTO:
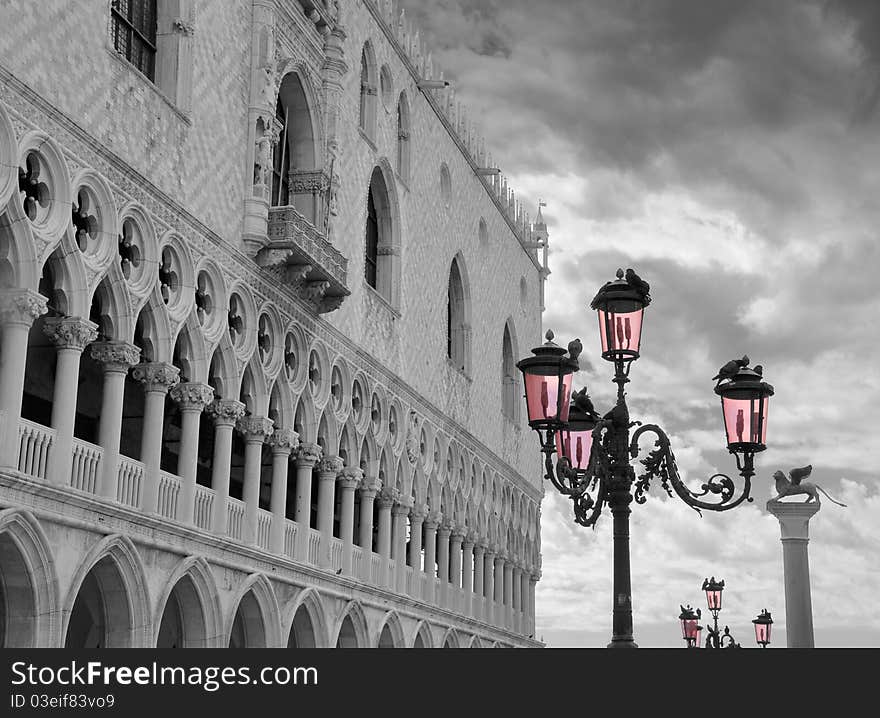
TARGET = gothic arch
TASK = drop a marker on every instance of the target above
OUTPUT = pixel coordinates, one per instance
(256, 607)
(193, 587)
(313, 634)
(422, 637)
(120, 587)
(450, 639)
(27, 582)
(390, 632)
(458, 315)
(474, 642)
(351, 630)
(383, 244)
(19, 265)
(510, 380)
(369, 89)
(403, 137)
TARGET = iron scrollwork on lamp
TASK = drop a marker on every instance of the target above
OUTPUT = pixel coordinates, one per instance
(593, 452)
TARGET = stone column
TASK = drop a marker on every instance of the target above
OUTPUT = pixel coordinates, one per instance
(282, 441)
(19, 308)
(116, 358)
(498, 608)
(191, 398)
(417, 518)
(794, 523)
(534, 577)
(524, 599)
(70, 335)
(307, 455)
(158, 378)
(328, 469)
(455, 540)
(369, 488)
(400, 512)
(443, 561)
(386, 498)
(255, 431)
(479, 559)
(516, 598)
(508, 593)
(348, 481)
(432, 522)
(489, 577)
(225, 412)
(467, 573)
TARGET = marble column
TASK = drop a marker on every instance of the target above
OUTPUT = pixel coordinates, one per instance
(524, 600)
(516, 597)
(794, 524)
(307, 455)
(386, 499)
(443, 534)
(255, 430)
(417, 518)
(432, 522)
(534, 577)
(467, 573)
(370, 487)
(348, 481)
(191, 398)
(508, 593)
(479, 561)
(19, 309)
(399, 513)
(70, 335)
(455, 540)
(498, 609)
(158, 378)
(328, 469)
(115, 358)
(489, 579)
(226, 413)
(282, 442)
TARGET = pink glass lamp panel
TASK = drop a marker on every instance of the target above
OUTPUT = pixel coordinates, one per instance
(713, 599)
(542, 395)
(620, 332)
(762, 633)
(744, 421)
(575, 446)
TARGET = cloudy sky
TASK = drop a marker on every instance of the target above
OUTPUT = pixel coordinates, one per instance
(729, 150)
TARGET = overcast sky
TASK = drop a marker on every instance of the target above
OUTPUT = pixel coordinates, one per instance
(729, 151)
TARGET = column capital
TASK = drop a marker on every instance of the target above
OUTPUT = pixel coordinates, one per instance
(481, 544)
(21, 306)
(535, 575)
(283, 441)
(370, 485)
(501, 555)
(418, 513)
(794, 517)
(70, 332)
(458, 532)
(192, 395)
(330, 466)
(308, 454)
(388, 497)
(470, 540)
(400, 509)
(433, 520)
(350, 477)
(225, 412)
(113, 356)
(255, 429)
(445, 529)
(156, 376)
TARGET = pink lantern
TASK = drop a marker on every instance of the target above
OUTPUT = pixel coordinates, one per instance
(547, 377)
(621, 307)
(745, 402)
(713, 591)
(690, 625)
(574, 440)
(763, 624)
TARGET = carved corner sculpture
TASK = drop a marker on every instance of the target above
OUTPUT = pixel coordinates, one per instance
(795, 485)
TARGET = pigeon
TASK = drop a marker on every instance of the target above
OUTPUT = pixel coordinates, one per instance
(758, 369)
(582, 401)
(797, 475)
(618, 416)
(575, 348)
(637, 283)
(730, 369)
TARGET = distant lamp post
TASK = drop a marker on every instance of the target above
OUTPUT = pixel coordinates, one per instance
(763, 624)
(690, 626)
(592, 465)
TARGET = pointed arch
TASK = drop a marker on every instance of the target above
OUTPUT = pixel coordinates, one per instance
(382, 241)
(369, 90)
(107, 605)
(306, 623)
(510, 386)
(422, 637)
(450, 639)
(255, 621)
(28, 583)
(223, 371)
(304, 422)
(351, 629)
(403, 137)
(19, 264)
(458, 316)
(189, 608)
(474, 642)
(390, 632)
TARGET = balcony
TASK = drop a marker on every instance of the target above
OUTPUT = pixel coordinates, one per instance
(304, 259)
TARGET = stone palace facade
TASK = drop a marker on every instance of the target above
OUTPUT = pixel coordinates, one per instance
(261, 296)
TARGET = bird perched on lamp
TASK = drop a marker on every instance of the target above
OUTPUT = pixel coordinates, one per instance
(575, 348)
(730, 369)
(582, 401)
(637, 283)
(758, 369)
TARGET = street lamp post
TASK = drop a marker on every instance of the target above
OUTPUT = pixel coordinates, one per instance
(593, 465)
(716, 639)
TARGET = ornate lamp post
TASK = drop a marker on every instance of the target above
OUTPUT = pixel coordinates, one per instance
(716, 639)
(593, 452)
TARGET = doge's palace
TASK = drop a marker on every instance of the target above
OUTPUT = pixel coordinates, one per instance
(262, 292)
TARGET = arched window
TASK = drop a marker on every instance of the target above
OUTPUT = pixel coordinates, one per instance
(295, 150)
(509, 391)
(133, 29)
(403, 133)
(380, 248)
(369, 91)
(457, 339)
